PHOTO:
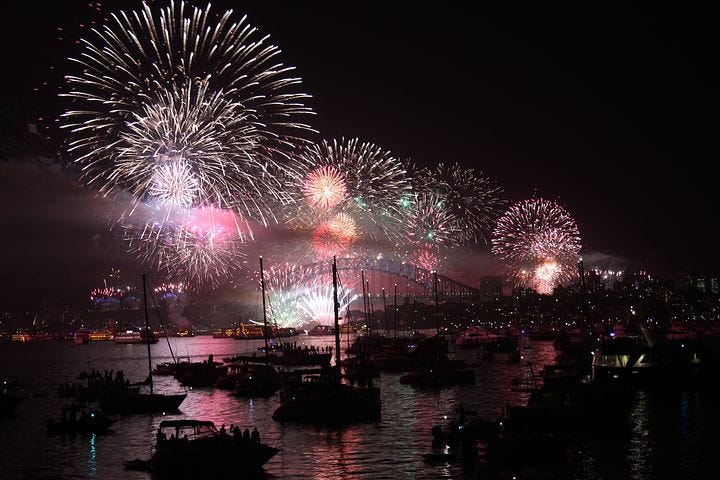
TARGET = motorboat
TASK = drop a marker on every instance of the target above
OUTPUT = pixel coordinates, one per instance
(441, 373)
(633, 361)
(197, 446)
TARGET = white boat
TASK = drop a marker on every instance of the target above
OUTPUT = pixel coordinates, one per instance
(478, 337)
(134, 336)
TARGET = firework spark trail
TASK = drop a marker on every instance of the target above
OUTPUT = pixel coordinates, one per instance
(178, 93)
(539, 242)
(317, 302)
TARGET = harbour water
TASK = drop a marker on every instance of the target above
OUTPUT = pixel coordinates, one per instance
(664, 434)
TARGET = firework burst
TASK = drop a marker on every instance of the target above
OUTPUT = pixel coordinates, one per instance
(184, 106)
(324, 187)
(431, 224)
(472, 199)
(203, 247)
(334, 236)
(317, 302)
(361, 179)
(539, 242)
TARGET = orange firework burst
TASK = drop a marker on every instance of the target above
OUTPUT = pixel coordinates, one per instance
(335, 235)
(324, 187)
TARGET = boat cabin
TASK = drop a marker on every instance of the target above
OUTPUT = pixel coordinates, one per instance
(190, 429)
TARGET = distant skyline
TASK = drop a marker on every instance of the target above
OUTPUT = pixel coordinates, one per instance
(607, 110)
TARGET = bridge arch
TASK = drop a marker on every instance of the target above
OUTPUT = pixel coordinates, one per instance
(384, 273)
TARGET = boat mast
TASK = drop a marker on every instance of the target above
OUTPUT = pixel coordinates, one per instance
(583, 293)
(437, 311)
(147, 333)
(365, 302)
(387, 332)
(336, 314)
(437, 316)
(395, 306)
(157, 312)
(262, 285)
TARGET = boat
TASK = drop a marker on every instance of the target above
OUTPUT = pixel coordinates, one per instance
(132, 400)
(199, 374)
(476, 337)
(321, 330)
(168, 368)
(405, 354)
(248, 379)
(249, 331)
(441, 371)
(285, 332)
(9, 398)
(184, 446)
(135, 337)
(21, 337)
(324, 398)
(256, 380)
(24, 337)
(82, 336)
(645, 361)
(93, 421)
(286, 356)
(101, 336)
(224, 333)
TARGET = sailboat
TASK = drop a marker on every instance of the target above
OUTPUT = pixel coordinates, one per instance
(325, 399)
(255, 379)
(442, 371)
(131, 400)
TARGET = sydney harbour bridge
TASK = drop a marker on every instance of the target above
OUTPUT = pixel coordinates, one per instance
(391, 277)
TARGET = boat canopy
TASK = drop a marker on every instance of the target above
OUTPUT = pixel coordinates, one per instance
(185, 423)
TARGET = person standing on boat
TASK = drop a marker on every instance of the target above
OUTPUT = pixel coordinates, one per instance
(255, 435)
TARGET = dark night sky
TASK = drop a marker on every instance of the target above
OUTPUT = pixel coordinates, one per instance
(608, 109)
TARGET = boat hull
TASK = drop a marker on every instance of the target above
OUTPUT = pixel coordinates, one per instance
(141, 403)
(216, 454)
(328, 404)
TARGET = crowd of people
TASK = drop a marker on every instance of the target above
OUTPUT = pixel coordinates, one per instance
(235, 432)
(94, 382)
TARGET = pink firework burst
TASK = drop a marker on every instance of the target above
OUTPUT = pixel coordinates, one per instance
(426, 258)
(539, 242)
(324, 187)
